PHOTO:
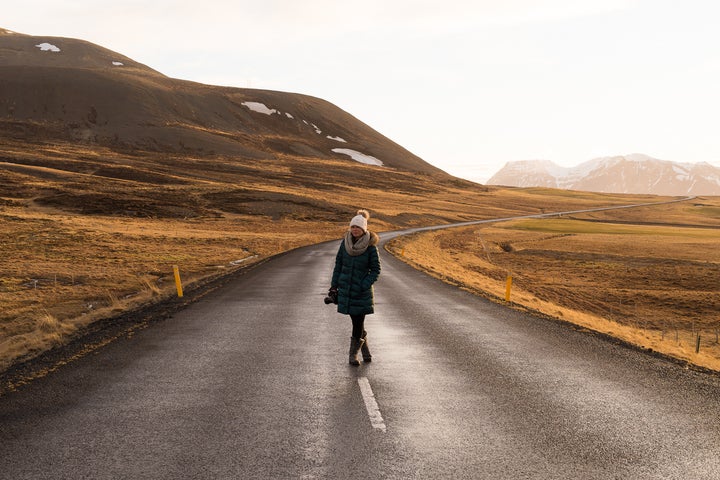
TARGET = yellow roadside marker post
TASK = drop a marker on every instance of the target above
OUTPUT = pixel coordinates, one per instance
(176, 270)
(508, 286)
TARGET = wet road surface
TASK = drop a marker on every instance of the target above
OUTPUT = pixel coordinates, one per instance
(253, 382)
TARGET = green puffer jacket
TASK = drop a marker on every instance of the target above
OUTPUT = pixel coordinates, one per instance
(354, 277)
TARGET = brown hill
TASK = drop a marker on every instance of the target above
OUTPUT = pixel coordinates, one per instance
(67, 89)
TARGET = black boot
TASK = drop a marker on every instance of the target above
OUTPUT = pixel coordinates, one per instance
(355, 345)
(367, 358)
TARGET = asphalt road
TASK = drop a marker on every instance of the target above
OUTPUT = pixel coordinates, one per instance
(253, 382)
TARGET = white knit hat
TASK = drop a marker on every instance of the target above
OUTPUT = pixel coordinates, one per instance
(360, 220)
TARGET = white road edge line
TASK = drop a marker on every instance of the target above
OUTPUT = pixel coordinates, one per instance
(371, 405)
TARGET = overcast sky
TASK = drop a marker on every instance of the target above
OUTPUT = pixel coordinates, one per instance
(466, 85)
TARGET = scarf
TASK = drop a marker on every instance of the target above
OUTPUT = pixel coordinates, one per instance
(360, 245)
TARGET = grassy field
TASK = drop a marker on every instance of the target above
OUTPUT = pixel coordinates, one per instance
(649, 276)
(89, 233)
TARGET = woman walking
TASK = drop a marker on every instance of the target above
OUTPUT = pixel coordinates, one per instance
(357, 267)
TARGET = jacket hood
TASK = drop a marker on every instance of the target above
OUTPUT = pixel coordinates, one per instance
(374, 238)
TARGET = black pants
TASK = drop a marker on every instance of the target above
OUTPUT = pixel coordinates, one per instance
(358, 324)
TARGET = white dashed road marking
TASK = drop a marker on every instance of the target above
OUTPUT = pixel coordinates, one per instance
(371, 405)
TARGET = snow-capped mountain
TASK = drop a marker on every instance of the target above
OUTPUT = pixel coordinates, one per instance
(635, 173)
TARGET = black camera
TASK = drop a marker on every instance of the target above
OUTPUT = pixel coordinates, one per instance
(332, 297)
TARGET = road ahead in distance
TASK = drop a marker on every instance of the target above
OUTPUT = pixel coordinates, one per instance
(252, 382)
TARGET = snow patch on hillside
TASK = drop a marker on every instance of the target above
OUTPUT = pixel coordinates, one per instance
(359, 157)
(681, 173)
(48, 47)
(259, 108)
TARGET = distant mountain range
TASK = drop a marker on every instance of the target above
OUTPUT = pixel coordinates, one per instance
(635, 173)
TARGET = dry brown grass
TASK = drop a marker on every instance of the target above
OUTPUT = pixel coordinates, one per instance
(87, 233)
(67, 271)
(648, 276)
